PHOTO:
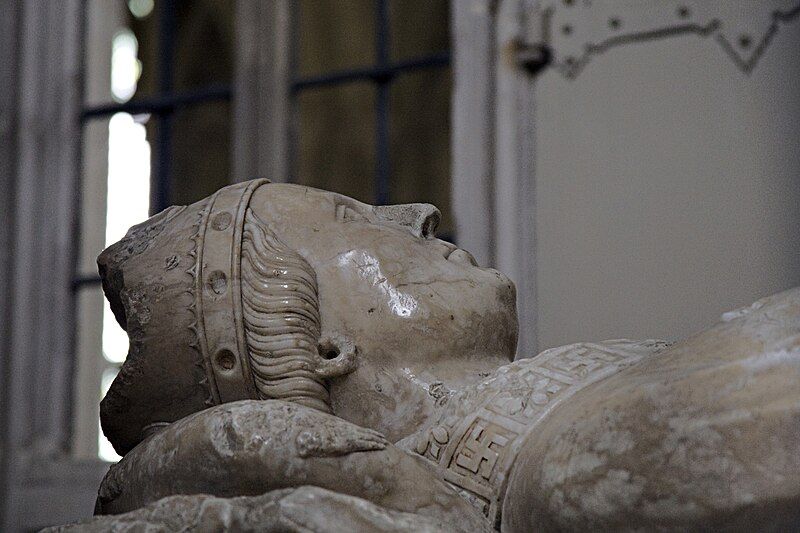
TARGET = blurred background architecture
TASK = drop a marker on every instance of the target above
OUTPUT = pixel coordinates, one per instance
(633, 165)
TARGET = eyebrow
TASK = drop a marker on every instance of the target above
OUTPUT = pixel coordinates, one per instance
(343, 204)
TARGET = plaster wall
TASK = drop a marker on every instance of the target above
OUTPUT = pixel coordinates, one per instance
(667, 188)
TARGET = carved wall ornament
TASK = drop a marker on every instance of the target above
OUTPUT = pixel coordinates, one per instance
(576, 31)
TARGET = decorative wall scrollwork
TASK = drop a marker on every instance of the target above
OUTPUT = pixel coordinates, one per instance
(576, 31)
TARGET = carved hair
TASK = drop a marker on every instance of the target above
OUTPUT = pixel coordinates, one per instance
(281, 318)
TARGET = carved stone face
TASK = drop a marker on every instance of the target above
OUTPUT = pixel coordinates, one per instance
(423, 316)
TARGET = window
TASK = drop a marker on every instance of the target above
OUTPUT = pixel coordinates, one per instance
(371, 94)
(156, 133)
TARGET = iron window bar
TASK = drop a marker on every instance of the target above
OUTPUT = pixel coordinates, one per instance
(382, 152)
(375, 74)
(82, 281)
(159, 105)
(161, 189)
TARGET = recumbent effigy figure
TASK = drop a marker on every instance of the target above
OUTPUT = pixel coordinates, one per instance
(303, 361)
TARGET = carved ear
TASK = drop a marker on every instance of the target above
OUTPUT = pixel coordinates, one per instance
(338, 356)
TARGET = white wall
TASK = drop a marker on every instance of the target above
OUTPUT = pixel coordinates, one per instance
(667, 188)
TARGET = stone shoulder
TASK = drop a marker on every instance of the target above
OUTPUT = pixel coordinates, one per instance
(480, 430)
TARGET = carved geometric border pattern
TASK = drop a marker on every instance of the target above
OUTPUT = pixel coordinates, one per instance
(478, 454)
(745, 52)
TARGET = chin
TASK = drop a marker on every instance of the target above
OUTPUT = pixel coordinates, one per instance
(499, 322)
(381, 399)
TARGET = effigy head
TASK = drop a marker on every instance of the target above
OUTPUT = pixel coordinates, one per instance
(286, 292)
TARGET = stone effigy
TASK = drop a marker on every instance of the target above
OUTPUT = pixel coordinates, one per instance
(302, 361)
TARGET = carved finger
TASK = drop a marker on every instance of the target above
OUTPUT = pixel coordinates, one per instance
(373, 435)
(377, 439)
(366, 445)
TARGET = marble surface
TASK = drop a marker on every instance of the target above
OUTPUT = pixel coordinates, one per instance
(294, 345)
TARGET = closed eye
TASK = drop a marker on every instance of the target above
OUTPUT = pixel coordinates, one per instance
(345, 213)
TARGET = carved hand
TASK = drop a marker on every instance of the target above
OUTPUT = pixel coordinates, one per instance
(252, 447)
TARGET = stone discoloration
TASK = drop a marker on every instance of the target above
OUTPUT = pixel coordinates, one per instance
(706, 433)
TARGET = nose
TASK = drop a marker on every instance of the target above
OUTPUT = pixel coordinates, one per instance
(421, 219)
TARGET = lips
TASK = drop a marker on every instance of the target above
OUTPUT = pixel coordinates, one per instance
(453, 253)
(462, 257)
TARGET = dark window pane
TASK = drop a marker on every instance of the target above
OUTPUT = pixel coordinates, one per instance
(203, 44)
(336, 139)
(420, 141)
(334, 35)
(200, 151)
(146, 32)
(418, 28)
